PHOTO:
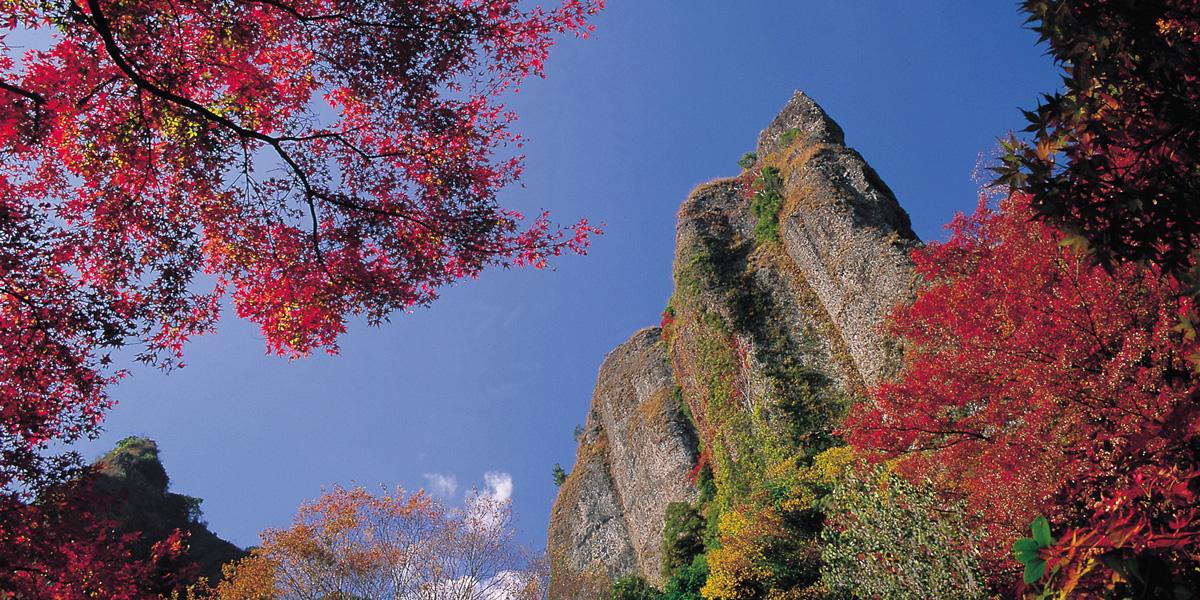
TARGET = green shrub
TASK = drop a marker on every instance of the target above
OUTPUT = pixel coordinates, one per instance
(712, 525)
(888, 539)
(148, 450)
(683, 537)
(788, 137)
(706, 485)
(748, 160)
(192, 506)
(765, 205)
(560, 475)
(633, 587)
(686, 583)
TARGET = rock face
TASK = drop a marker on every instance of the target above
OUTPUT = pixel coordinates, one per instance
(768, 341)
(634, 458)
(844, 230)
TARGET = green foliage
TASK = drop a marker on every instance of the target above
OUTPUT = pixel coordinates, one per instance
(748, 160)
(788, 137)
(705, 484)
(633, 587)
(686, 583)
(765, 205)
(1029, 550)
(577, 433)
(560, 476)
(146, 450)
(129, 442)
(192, 506)
(888, 539)
(699, 267)
(683, 537)
(712, 526)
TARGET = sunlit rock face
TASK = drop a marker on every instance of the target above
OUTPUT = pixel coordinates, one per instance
(750, 322)
(634, 458)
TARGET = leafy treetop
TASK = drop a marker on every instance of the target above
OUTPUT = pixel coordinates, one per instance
(1114, 157)
(315, 159)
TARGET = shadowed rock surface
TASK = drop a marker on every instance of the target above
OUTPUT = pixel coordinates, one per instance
(766, 340)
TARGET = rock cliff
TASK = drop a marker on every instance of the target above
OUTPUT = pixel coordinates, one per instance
(634, 458)
(773, 328)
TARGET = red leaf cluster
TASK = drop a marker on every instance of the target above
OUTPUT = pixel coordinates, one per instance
(314, 160)
(317, 159)
(1035, 382)
(60, 547)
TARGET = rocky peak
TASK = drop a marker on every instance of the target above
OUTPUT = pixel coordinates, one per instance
(134, 480)
(804, 116)
(773, 328)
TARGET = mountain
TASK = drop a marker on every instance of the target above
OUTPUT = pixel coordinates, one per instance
(783, 277)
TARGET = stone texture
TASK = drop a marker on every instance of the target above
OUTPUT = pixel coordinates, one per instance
(806, 116)
(847, 234)
(634, 459)
(587, 525)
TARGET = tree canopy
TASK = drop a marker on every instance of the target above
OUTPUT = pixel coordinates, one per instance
(350, 543)
(310, 160)
(1114, 153)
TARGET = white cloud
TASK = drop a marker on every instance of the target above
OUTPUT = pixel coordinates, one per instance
(442, 485)
(499, 485)
(504, 585)
(489, 509)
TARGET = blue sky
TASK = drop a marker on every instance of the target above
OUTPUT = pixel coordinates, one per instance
(492, 379)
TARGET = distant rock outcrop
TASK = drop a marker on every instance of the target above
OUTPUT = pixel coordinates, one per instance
(136, 483)
(765, 340)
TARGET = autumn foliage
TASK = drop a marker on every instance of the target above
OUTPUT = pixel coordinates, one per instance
(1113, 157)
(312, 159)
(1037, 382)
(350, 543)
(64, 547)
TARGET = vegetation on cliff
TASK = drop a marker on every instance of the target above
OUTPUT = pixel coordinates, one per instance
(1038, 434)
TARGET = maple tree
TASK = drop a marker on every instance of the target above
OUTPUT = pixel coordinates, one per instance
(311, 159)
(1036, 382)
(314, 159)
(60, 547)
(350, 543)
(1114, 155)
